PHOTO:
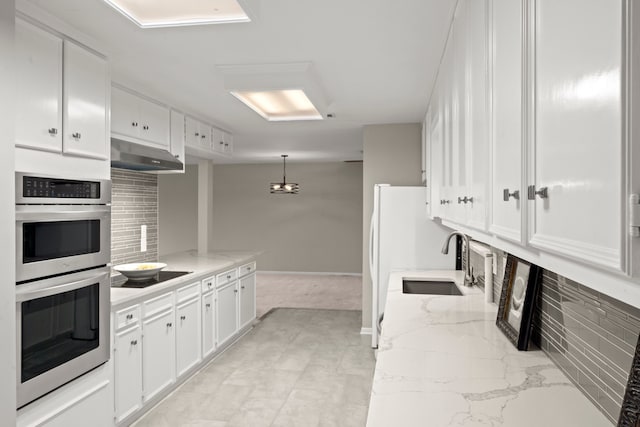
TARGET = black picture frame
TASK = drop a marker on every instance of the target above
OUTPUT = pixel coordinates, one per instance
(630, 410)
(515, 311)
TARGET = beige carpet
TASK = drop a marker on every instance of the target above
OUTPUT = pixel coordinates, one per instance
(307, 291)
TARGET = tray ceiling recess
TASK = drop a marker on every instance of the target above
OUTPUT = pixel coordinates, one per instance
(277, 92)
(171, 13)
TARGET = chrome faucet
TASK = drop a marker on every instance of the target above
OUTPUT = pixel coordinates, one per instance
(468, 279)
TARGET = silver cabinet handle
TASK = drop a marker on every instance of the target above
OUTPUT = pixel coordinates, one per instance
(53, 131)
(76, 135)
(465, 200)
(506, 195)
(445, 202)
(543, 192)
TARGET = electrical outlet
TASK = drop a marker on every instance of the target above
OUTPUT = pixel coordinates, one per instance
(143, 238)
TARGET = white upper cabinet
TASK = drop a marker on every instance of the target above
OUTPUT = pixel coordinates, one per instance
(85, 115)
(507, 125)
(177, 134)
(64, 95)
(198, 134)
(134, 118)
(576, 146)
(39, 79)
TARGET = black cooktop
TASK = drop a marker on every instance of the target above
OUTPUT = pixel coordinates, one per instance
(162, 276)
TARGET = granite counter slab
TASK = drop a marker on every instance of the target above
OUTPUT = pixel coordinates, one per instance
(200, 265)
(443, 362)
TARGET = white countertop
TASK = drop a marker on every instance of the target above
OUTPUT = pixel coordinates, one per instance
(201, 265)
(442, 361)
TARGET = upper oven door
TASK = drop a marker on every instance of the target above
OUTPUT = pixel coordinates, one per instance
(57, 239)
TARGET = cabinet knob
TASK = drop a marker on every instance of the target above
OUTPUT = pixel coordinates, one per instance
(183, 317)
(145, 127)
(506, 195)
(177, 156)
(465, 200)
(203, 136)
(53, 131)
(543, 192)
(208, 305)
(197, 134)
(235, 290)
(134, 342)
(209, 285)
(242, 287)
(169, 325)
(228, 276)
(76, 135)
(134, 124)
(226, 145)
(129, 316)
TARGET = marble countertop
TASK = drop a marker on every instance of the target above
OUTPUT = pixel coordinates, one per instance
(200, 265)
(443, 362)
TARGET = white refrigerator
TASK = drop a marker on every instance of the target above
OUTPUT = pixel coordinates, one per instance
(401, 238)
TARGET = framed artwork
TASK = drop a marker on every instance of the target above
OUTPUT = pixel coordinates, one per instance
(519, 290)
(630, 411)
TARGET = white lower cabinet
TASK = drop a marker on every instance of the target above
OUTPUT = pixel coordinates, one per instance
(247, 300)
(128, 371)
(188, 335)
(158, 353)
(208, 324)
(227, 308)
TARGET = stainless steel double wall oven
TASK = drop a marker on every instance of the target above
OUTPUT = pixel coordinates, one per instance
(63, 248)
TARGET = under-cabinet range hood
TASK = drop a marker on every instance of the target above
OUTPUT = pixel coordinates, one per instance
(126, 155)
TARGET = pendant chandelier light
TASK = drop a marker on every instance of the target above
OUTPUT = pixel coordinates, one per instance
(284, 187)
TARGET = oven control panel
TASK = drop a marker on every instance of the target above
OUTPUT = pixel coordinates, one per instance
(55, 188)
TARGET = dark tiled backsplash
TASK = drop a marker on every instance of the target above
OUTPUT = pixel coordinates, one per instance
(134, 202)
(590, 336)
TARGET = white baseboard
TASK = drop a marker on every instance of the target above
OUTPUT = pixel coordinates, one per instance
(365, 331)
(310, 273)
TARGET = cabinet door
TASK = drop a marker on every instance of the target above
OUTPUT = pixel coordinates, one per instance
(205, 136)
(445, 96)
(86, 92)
(227, 311)
(158, 353)
(435, 160)
(125, 115)
(39, 84)
(177, 136)
(576, 152)
(192, 132)
(188, 336)
(477, 129)
(128, 372)
(217, 140)
(507, 132)
(154, 123)
(247, 299)
(208, 324)
(228, 143)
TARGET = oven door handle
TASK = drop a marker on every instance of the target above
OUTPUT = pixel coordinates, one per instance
(70, 214)
(28, 295)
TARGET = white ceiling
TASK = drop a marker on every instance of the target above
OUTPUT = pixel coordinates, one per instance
(376, 61)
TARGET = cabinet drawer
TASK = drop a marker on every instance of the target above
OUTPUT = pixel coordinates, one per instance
(247, 268)
(187, 292)
(127, 317)
(208, 284)
(226, 277)
(157, 304)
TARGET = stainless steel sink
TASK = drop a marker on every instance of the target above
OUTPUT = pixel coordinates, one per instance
(429, 287)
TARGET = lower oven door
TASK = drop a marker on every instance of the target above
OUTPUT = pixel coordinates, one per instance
(62, 330)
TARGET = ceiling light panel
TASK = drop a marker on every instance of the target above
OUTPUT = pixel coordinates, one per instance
(170, 13)
(280, 105)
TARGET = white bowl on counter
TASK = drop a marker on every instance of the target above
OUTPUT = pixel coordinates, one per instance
(139, 271)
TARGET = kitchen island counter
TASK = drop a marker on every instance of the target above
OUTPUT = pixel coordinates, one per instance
(200, 266)
(442, 361)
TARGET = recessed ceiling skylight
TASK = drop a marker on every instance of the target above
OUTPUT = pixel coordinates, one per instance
(171, 13)
(280, 105)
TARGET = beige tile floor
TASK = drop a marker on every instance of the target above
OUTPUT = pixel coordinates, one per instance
(296, 367)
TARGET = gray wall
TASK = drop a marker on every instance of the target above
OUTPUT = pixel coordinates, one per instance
(134, 202)
(7, 220)
(178, 211)
(317, 230)
(392, 155)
